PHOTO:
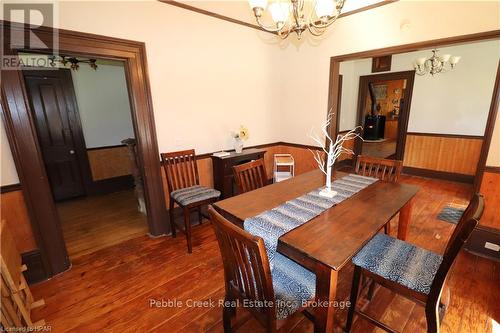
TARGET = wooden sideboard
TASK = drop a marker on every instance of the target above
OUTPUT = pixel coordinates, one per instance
(223, 169)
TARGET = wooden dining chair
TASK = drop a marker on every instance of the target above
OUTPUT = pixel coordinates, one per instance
(274, 294)
(185, 189)
(385, 170)
(250, 176)
(410, 271)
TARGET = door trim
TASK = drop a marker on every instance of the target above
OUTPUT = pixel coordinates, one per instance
(364, 80)
(488, 132)
(26, 151)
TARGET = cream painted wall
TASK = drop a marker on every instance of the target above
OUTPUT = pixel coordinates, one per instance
(8, 174)
(456, 102)
(306, 65)
(103, 104)
(207, 76)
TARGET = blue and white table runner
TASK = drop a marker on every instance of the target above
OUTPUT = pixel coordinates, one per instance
(272, 224)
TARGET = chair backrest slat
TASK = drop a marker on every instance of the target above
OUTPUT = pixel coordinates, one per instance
(386, 170)
(246, 267)
(180, 169)
(250, 176)
(460, 235)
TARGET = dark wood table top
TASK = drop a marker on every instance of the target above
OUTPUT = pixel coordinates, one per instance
(253, 203)
(336, 235)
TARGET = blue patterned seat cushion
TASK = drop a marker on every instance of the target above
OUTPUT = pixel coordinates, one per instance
(398, 261)
(189, 195)
(293, 286)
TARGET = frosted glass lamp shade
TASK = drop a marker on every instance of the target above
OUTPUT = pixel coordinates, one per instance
(445, 57)
(420, 61)
(454, 60)
(258, 4)
(279, 11)
(325, 8)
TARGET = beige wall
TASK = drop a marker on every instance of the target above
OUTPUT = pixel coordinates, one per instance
(306, 65)
(103, 103)
(209, 76)
(456, 102)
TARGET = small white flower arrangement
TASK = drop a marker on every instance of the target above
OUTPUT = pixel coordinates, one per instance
(239, 137)
(242, 134)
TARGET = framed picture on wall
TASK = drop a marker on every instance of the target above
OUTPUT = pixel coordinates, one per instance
(380, 91)
(381, 64)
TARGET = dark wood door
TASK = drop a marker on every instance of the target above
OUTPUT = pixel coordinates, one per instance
(53, 105)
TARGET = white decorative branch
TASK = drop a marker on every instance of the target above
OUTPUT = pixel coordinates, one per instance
(332, 150)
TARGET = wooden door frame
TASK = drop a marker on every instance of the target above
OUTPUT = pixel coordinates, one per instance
(391, 50)
(488, 132)
(404, 114)
(74, 124)
(26, 150)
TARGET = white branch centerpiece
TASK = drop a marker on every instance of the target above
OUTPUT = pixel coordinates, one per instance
(335, 149)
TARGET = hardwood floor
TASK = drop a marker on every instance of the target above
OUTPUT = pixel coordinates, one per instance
(379, 149)
(111, 290)
(93, 223)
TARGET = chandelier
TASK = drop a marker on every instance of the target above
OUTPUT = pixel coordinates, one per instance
(290, 16)
(435, 64)
(72, 61)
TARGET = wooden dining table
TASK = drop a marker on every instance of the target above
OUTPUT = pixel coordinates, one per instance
(327, 243)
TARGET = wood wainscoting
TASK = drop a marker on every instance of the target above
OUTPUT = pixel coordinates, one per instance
(108, 162)
(448, 156)
(15, 213)
(490, 188)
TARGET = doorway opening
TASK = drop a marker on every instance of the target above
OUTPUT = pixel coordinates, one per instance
(83, 120)
(384, 102)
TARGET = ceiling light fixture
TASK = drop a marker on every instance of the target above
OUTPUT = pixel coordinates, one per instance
(72, 61)
(435, 64)
(289, 16)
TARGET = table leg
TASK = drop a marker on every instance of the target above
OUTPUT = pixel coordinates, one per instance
(326, 289)
(404, 220)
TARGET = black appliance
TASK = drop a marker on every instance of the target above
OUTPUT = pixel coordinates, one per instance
(374, 123)
(374, 127)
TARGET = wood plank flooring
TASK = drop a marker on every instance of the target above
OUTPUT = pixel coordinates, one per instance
(379, 149)
(97, 222)
(112, 290)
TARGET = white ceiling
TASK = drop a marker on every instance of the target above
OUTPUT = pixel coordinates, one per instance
(240, 10)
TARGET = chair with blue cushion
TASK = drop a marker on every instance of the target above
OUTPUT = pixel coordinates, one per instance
(184, 189)
(410, 271)
(271, 294)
